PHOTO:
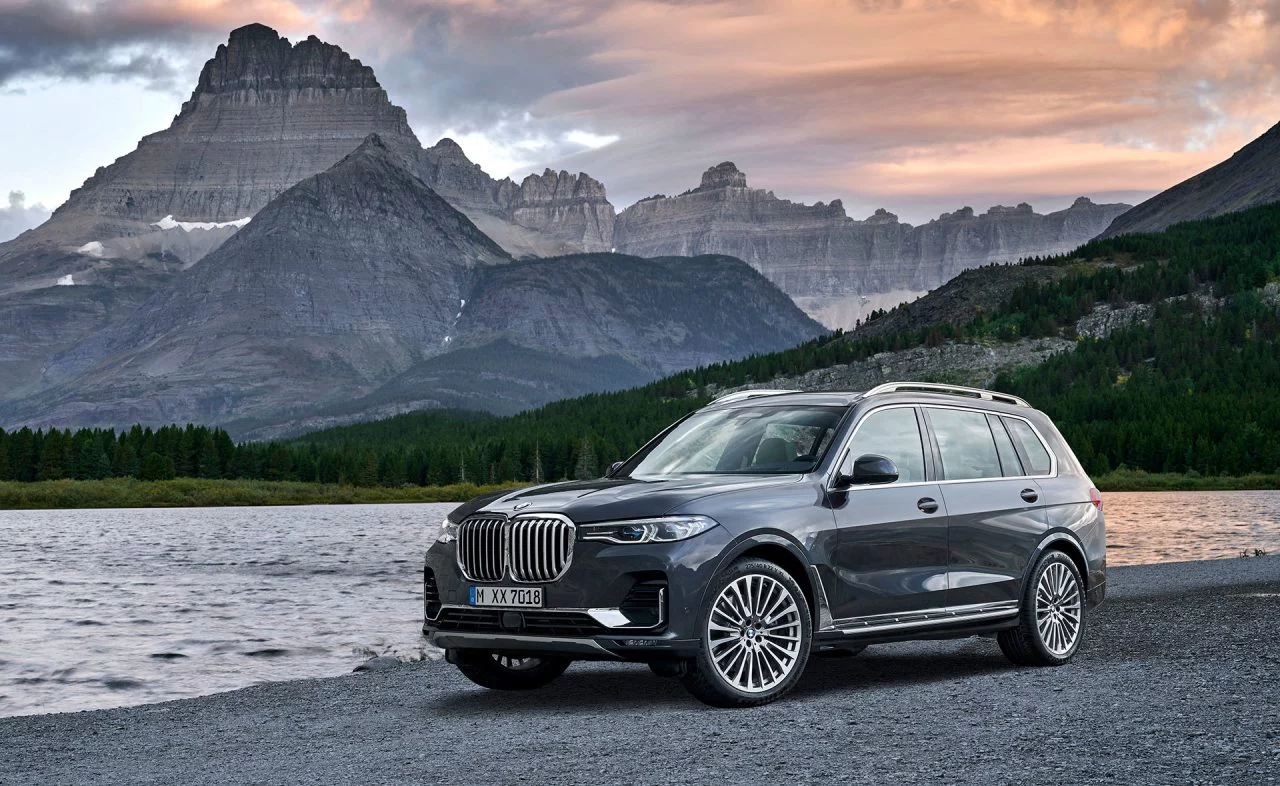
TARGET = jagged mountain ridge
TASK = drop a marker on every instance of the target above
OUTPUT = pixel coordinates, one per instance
(352, 277)
(543, 215)
(264, 115)
(1249, 178)
(838, 268)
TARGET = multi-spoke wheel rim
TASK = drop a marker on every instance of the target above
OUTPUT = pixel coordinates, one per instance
(754, 633)
(515, 664)
(1058, 609)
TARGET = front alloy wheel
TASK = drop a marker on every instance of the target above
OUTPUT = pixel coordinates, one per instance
(1051, 620)
(756, 634)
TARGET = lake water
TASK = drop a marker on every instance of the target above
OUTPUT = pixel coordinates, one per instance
(105, 608)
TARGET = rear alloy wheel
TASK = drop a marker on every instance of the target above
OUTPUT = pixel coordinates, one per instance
(755, 637)
(499, 671)
(1051, 620)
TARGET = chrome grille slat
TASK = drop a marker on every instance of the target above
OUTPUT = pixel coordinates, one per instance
(480, 548)
(531, 549)
(541, 548)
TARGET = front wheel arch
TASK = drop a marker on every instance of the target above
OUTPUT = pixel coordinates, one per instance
(786, 555)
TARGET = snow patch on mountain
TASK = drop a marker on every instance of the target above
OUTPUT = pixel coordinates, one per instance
(168, 222)
(92, 249)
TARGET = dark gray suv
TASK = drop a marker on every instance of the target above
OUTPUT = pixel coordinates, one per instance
(770, 525)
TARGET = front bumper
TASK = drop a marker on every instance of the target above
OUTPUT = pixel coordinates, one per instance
(589, 612)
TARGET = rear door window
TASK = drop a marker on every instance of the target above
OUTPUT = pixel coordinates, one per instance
(1038, 458)
(967, 449)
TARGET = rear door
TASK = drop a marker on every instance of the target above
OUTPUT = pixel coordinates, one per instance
(995, 515)
(891, 552)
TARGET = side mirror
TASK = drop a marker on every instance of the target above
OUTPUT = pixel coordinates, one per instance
(868, 470)
(614, 467)
(871, 469)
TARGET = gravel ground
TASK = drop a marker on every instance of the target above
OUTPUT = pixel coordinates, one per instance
(1178, 682)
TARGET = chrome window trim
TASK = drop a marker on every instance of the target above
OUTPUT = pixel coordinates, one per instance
(844, 448)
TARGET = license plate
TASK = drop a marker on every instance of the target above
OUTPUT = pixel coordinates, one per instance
(510, 597)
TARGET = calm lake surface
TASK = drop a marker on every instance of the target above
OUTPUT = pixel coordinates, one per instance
(105, 608)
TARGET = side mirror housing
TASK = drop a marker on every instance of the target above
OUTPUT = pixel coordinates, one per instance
(614, 467)
(872, 469)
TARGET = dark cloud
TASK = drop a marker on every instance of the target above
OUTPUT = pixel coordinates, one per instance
(18, 217)
(153, 42)
(58, 40)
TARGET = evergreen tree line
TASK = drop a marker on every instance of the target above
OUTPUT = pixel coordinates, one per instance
(142, 453)
(1196, 390)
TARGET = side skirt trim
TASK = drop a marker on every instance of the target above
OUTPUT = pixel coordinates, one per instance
(925, 618)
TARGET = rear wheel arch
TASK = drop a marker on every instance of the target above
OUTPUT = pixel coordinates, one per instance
(1066, 543)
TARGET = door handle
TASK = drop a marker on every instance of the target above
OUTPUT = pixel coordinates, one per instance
(1030, 495)
(927, 505)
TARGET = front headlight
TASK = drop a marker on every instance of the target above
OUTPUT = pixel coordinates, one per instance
(448, 531)
(663, 529)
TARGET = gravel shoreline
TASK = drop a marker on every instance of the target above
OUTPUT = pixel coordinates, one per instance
(1178, 682)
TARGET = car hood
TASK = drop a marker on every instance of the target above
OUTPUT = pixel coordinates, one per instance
(611, 499)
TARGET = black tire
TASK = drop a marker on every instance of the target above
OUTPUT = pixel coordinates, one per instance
(497, 671)
(704, 678)
(669, 669)
(1027, 644)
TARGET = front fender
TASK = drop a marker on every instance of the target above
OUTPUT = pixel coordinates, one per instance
(798, 562)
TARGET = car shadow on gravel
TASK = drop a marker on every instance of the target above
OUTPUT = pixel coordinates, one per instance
(590, 687)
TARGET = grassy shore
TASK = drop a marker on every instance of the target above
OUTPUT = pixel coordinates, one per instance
(191, 492)
(1137, 480)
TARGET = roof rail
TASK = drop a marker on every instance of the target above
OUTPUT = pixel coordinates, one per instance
(743, 395)
(954, 390)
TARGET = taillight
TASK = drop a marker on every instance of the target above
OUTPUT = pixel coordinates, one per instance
(1096, 498)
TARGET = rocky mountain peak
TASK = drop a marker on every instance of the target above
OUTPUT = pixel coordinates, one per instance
(257, 58)
(723, 175)
(447, 146)
(552, 186)
(372, 148)
(265, 113)
(1022, 208)
(963, 214)
(1082, 202)
(881, 216)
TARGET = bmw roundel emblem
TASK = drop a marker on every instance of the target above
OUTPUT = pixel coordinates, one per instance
(522, 505)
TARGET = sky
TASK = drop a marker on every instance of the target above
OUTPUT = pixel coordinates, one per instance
(918, 106)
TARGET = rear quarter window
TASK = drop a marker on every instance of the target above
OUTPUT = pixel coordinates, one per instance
(1039, 460)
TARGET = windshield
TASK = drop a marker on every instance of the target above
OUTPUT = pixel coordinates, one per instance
(770, 440)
